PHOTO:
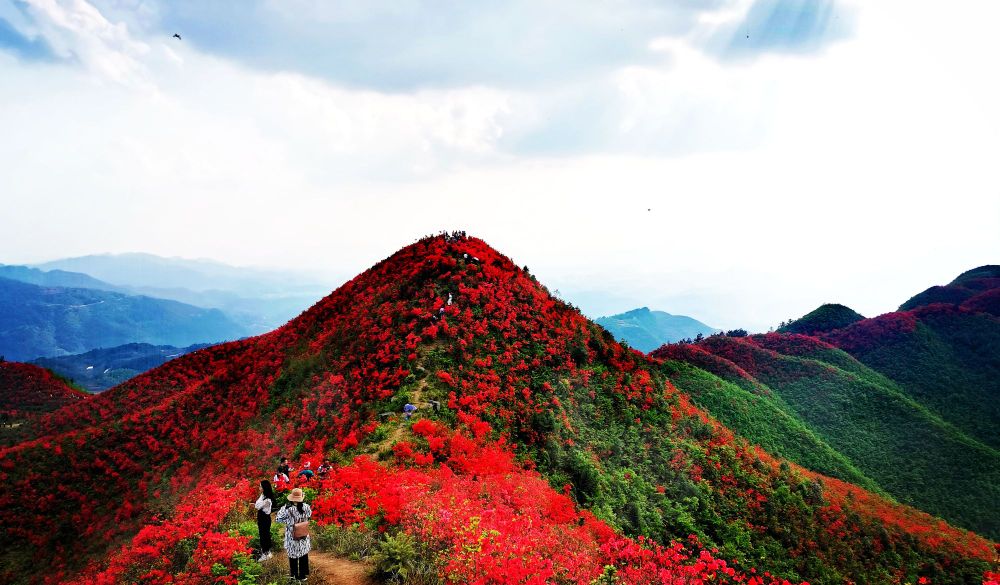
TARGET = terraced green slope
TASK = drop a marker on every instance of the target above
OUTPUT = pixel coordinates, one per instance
(900, 444)
(761, 414)
(945, 357)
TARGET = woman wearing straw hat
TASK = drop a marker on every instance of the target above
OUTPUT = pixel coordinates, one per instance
(295, 516)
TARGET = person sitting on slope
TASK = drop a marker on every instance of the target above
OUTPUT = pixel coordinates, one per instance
(306, 471)
(324, 469)
(283, 466)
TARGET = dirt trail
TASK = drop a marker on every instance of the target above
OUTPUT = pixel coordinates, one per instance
(328, 569)
(398, 433)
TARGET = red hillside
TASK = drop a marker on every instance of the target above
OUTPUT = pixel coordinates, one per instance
(30, 390)
(556, 454)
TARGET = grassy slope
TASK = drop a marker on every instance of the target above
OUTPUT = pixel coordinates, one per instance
(950, 362)
(765, 419)
(907, 449)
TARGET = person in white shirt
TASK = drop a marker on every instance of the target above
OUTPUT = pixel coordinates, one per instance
(264, 504)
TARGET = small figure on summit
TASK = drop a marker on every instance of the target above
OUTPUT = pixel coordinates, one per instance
(408, 410)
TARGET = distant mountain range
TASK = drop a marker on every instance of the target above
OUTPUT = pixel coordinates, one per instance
(100, 369)
(57, 278)
(647, 330)
(156, 272)
(103, 301)
(259, 300)
(38, 321)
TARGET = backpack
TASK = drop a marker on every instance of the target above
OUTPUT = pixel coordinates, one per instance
(300, 530)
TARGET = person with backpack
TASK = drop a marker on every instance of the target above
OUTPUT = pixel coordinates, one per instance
(264, 504)
(295, 516)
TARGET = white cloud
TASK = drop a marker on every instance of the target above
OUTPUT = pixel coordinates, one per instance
(860, 175)
(75, 29)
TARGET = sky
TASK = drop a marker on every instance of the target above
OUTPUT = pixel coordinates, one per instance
(739, 161)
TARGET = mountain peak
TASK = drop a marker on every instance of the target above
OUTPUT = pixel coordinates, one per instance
(985, 271)
(826, 317)
(646, 330)
(975, 289)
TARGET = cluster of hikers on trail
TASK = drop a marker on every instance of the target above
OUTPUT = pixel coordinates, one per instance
(294, 515)
(284, 472)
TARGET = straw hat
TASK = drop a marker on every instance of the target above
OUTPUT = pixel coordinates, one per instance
(296, 495)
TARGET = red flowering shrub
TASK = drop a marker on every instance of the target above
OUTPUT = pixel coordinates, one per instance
(491, 521)
(879, 331)
(27, 391)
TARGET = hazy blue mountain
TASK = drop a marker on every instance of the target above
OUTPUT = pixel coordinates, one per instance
(157, 272)
(100, 369)
(38, 321)
(647, 330)
(258, 314)
(259, 300)
(56, 278)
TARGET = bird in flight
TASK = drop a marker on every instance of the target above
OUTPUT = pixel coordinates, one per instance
(177, 36)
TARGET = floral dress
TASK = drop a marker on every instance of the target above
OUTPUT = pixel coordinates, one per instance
(289, 516)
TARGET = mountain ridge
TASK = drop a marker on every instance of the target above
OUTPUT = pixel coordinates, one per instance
(258, 299)
(891, 438)
(40, 321)
(102, 368)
